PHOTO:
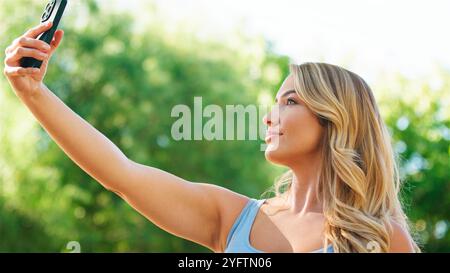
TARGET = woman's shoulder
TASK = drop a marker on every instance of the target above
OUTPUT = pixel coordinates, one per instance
(400, 238)
(274, 204)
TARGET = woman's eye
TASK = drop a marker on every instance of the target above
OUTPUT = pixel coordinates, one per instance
(290, 101)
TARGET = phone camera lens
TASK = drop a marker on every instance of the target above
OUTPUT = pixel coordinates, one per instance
(48, 11)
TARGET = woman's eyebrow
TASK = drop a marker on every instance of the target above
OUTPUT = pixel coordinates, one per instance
(285, 94)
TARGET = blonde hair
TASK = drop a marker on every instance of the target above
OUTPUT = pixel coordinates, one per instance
(359, 182)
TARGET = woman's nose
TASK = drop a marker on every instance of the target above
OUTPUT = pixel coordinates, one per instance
(272, 116)
(267, 120)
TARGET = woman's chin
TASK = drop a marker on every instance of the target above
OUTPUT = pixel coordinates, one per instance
(273, 155)
(274, 152)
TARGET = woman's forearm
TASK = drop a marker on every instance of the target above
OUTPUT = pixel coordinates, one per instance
(84, 144)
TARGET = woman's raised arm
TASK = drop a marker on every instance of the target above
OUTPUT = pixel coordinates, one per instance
(194, 211)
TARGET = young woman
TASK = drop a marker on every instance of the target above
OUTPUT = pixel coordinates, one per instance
(342, 187)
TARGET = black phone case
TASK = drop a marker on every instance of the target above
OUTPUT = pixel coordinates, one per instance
(53, 12)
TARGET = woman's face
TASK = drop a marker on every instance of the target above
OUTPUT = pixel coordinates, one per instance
(294, 132)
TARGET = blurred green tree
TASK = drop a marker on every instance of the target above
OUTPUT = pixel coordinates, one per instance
(418, 115)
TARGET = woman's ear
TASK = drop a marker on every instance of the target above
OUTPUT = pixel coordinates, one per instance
(323, 121)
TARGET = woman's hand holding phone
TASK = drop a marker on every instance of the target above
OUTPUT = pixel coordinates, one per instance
(27, 81)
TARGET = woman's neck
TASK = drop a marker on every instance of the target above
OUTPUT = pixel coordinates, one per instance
(302, 197)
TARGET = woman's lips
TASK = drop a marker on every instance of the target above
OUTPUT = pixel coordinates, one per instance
(271, 135)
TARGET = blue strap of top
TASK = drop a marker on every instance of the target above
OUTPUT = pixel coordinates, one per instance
(238, 239)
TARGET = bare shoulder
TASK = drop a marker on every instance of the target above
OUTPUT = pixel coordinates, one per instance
(227, 199)
(401, 240)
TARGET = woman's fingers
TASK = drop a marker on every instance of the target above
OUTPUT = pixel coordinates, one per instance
(33, 43)
(34, 32)
(20, 71)
(28, 39)
(28, 42)
(21, 52)
(33, 48)
(57, 38)
(28, 46)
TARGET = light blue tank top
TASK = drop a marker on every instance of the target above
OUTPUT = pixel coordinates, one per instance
(238, 240)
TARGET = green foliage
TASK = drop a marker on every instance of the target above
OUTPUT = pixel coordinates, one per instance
(418, 115)
(125, 80)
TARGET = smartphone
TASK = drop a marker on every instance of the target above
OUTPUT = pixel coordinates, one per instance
(52, 12)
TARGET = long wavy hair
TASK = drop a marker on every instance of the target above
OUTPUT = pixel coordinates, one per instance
(359, 183)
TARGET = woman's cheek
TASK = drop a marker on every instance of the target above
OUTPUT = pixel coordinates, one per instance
(301, 133)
